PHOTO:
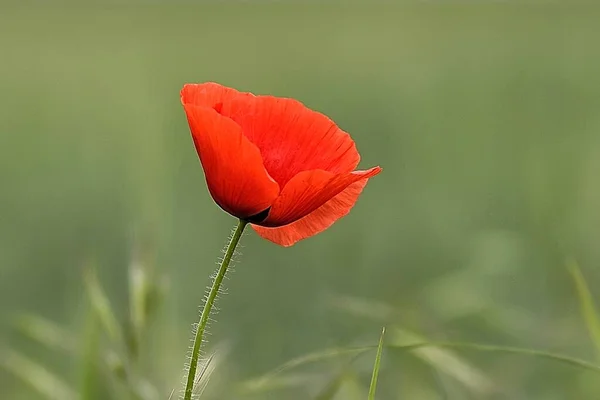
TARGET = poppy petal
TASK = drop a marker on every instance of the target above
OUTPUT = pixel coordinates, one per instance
(308, 191)
(291, 137)
(317, 221)
(235, 175)
(209, 94)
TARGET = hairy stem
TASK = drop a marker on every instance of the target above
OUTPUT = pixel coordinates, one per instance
(210, 301)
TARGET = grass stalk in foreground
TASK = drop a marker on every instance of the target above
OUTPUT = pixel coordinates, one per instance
(373, 385)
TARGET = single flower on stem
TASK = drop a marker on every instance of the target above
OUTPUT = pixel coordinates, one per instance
(273, 163)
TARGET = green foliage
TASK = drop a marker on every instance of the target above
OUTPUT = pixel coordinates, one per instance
(45, 382)
(115, 360)
(102, 309)
(586, 301)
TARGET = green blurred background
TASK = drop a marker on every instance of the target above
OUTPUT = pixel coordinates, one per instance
(485, 118)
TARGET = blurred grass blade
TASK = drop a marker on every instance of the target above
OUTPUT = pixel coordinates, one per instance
(332, 387)
(203, 375)
(115, 365)
(265, 379)
(353, 388)
(46, 332)
(145, 294)
(270, 379)
(138, 296)
(440, 359)
(129, 384)
(451, 364)
(346, 377)
(101, 306)
(586, 303)
(439, 384)
(207, 367)
(138, 287)
(39, 378)
(274, 379)
(373, 386)
(567, 360)
(447, 362)
(280, 381)
(89, 385)
(144, 390)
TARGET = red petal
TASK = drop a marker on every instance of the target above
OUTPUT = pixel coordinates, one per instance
(291, 137)
(209, 94)
(308, 191)
(317, 221)
(235, 175)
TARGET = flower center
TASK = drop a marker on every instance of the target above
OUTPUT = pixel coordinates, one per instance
(260, 217)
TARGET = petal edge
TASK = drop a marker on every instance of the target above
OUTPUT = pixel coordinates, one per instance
(309, 190)
(233, 168)
(317, 221)
(207, 94)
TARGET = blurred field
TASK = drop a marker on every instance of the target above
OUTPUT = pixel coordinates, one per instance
(485, 119)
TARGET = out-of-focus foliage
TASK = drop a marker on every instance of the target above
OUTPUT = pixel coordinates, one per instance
(485, 120)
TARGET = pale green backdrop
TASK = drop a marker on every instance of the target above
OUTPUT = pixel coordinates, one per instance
(485, 118)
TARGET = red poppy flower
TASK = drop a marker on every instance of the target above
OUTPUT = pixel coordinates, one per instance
(272, 161)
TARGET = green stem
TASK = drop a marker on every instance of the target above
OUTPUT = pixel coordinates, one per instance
(210, 301)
